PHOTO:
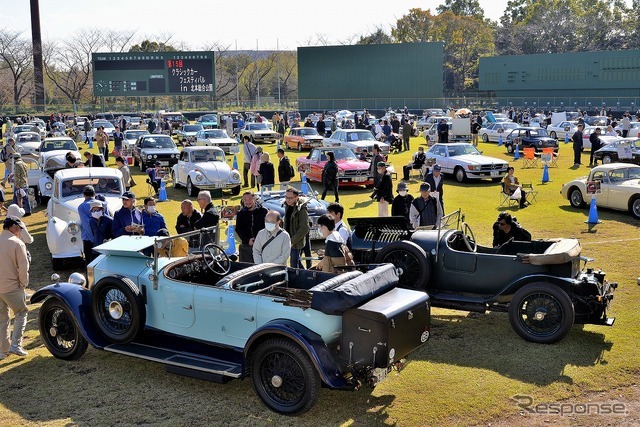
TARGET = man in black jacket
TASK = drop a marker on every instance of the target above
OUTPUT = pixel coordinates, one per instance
(507, 228)
(443, 132)
(249, 221)
(596, 144)
(93, 160)
(210, 216)
(435, 181)
(187, 219)
(577, 145)
(377, 158)
(285, 171)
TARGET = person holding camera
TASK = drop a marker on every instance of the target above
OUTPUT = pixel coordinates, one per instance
(507, 228)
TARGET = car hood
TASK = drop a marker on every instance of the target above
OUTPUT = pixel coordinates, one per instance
(160, 150)
(262, 132)
(215, 141)
(474, 159)
(353, 164)
(213, 171)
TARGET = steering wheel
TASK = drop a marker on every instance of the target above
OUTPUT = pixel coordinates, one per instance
(220, 262)
(499, 249)
(469, 238)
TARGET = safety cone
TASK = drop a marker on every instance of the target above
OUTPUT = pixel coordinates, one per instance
(235, 162)
(278, 146)
(162, 194)
(593, 213)
(500, 141)
(304, 188)
(231, 239)
(516, 154)
(566, 138)
(545, 174)
(90, 143)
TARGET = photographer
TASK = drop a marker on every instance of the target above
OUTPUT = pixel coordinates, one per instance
(507, 228)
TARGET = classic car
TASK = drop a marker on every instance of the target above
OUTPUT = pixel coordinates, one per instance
(275, 200)
(619, 188)
(63, 225)
(187, 133)
(562, 130)
(356, 139)
(17, 129)
(302, 138)
(634, 129)
(175, 118)
(109, 128)
(28, 143)
(539, 283)
(493, 131)
(38, 126)
(130, 138)
(259, 132)
(620, 150)
(155, 148)
(204, 168)
(290, 331)
(51, 158)
(604, 139)
(464, 161)
(208, 121)
(134, 123)
(351, 170)
(596, 121)
(535, 137)
(217, 138)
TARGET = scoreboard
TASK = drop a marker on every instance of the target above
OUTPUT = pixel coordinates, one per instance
(153, 73)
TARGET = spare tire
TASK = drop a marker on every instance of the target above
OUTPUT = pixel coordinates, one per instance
(412, 261)
(117, 308)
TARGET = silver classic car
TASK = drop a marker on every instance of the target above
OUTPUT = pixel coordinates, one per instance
(204, 168)
(464, 161)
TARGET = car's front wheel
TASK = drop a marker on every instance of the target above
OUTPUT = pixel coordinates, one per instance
(485, 137)
(142, 168)
(176, 184)
(117, 309)
(192, 190)
(553, 135)
(460, 174)
(299, 147)
(284, 377)
(57, 264)
(411, 261)
(510, 148)
(634, 207)
(235, 191)
(606, 159)
(60, 332)
(541, 312)
(575, 197)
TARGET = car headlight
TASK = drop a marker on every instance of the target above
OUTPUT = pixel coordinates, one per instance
(539, 143)
(234, 175)
(73, 228)
(471, 167)
(77, 279)
(48, 186)
(149, 156)
(199, 177)
(340, 172)
(155, 156)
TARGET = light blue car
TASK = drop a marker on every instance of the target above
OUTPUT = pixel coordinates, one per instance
(292, 331)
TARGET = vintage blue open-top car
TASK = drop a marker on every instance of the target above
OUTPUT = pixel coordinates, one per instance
(202, 315)
(539, 283)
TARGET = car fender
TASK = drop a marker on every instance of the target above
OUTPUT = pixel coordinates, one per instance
(42, 185)
(563, 283)
(78, 300)
(310, 342)
(59, 240)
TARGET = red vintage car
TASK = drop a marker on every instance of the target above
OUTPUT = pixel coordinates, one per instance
(351, 171)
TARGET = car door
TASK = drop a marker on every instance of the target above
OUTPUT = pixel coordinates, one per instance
(602, 197)
(177, 303)
(441, 154)
(315, 167)
(184, 165)
(238, 316)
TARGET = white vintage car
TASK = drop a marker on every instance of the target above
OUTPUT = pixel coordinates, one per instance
(619, 188)
(217, 138)
(28, 143)
(204, 168)
(64, 232)
(51, 158)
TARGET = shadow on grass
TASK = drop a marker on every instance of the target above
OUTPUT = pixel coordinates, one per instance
(482, 341)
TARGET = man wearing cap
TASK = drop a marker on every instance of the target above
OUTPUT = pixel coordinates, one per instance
(10, 149)
(101, 227)
(384, 193)
(127, 220)
(249, 221)
(402, 203)
(14, 278)
(424, 210)
(435, 181)
(151, 218)
(21, 184)
(84, 211)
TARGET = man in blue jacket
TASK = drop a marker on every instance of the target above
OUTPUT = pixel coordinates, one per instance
(152, 220)
(127, 220)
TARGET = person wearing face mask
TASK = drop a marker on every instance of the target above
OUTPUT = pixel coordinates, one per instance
(249, 221)
(336, 252)
(151, 218)
(84, 212)
(272, 243)
(401, 205)
(127, 220)
(101, 225)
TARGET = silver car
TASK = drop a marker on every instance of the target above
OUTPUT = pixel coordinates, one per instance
(464, 161)
(356, 139)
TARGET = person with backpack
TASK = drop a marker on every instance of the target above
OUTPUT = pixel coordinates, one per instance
(330, 176)
(6, 156)
(285, 170)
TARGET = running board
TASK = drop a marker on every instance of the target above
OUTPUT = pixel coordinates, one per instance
(181, 363)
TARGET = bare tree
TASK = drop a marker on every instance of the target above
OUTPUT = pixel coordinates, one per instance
(16, 55)
(254, 74)
(68, 64)
(118, 40)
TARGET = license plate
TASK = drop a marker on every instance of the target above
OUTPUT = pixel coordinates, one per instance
(360, 179)
(164, 163)
(220, 184)
(495, 173)
(315, 144)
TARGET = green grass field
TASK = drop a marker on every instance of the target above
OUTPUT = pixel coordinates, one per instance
(466, 374)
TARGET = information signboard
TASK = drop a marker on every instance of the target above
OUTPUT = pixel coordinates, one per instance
(153, 73)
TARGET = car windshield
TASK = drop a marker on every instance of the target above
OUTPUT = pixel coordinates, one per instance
(134, 134)
(508, 126)
(364, 135)
(208, 156)
(74, 187)
(192, 128)
(209, 118)
(158, 142)
(344, 154)
(461, 150)
(66, 144)
(258, 126)
(172, 117)
(538, 132)
(106, 125)
(308, 131)
(28, 137)
(216, 134)
(23, 128)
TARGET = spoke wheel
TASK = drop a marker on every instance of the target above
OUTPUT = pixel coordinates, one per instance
(606, 159)
(541, 312)
(60, 332)
(485, 137)
(412, 262)
(118, 309)
(634, 207)
(575, 198)
(284, 377)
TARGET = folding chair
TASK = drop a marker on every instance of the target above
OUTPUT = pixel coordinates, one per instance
(506, 200)
(531, 192)
(550, 157)
(529, 159)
